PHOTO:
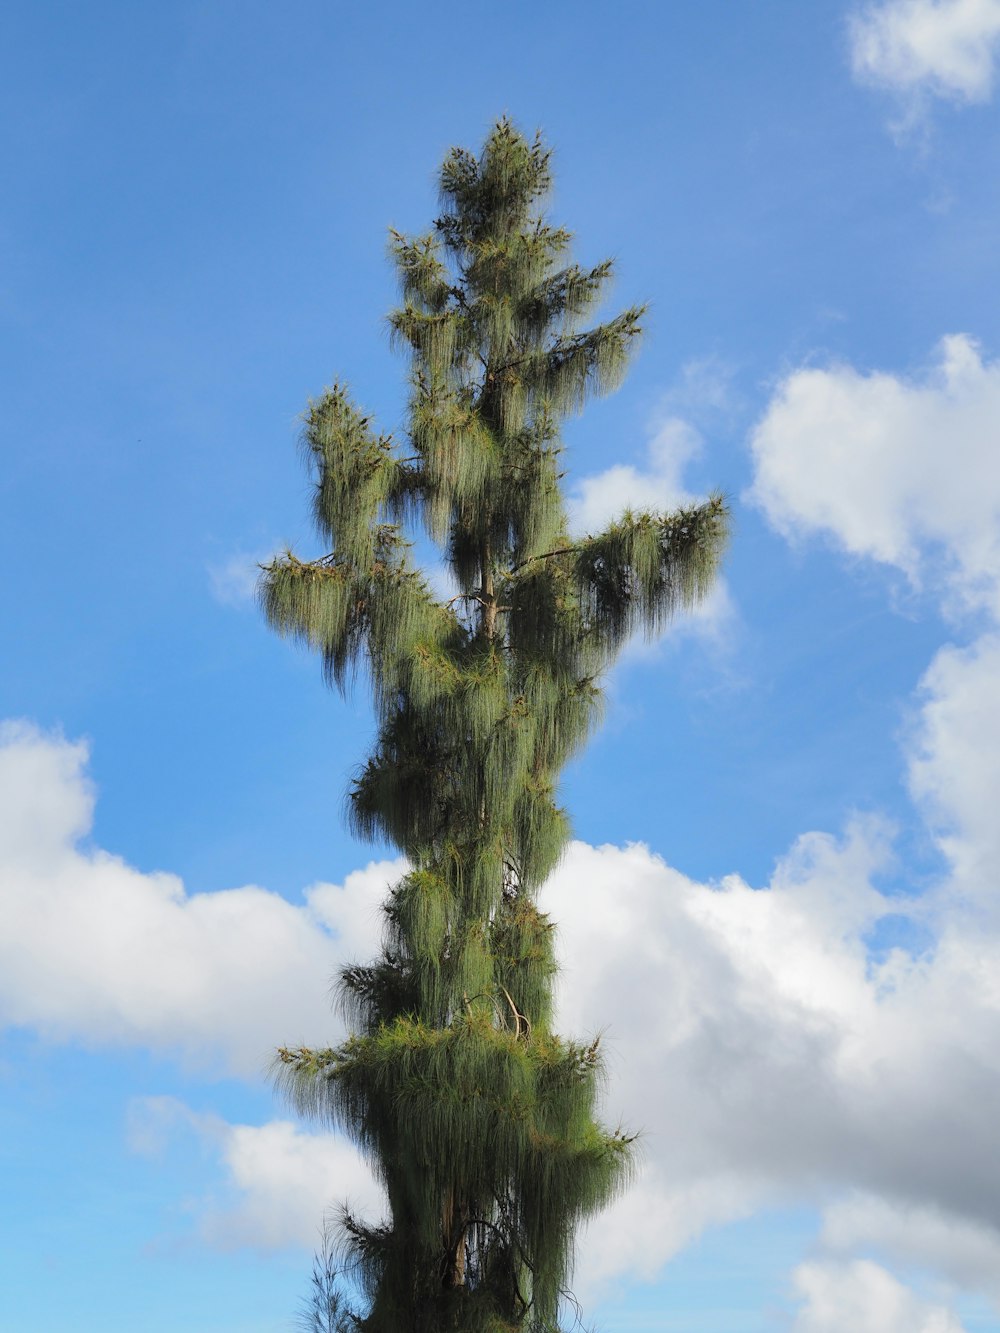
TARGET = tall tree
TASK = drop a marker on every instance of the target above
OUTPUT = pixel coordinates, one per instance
(477, 1118)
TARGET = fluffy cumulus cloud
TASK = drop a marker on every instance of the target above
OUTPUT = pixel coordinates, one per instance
(767, 1054)
(278, 1179)
(946, 48)
(955, 764)
(904, 470)
(598, 499)
(702, 393)
(767, 1058)
(95, 950)
(658, 484)
(863, 1297)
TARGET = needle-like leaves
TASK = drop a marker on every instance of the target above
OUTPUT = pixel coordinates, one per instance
(476, 1117)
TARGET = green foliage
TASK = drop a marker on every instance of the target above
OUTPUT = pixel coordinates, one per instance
(476, 1117)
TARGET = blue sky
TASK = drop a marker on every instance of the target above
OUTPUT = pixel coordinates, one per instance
(782, 902)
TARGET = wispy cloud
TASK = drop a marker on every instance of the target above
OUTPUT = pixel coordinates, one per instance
(233, 581)
(923, 49)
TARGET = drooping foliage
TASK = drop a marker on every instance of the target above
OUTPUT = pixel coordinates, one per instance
(477, 1118)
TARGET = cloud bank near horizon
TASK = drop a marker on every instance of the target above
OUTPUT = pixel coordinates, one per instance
(768, 1054)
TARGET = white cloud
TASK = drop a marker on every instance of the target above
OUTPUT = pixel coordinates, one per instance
(865, 1298)
(955, 762)
(946, 48)
(598, 499)
(765, 1056)
(765, 1053)
(905, 471)
(703, 390)
(701, 393)
(279, 1180)
(966, 1253)
(92, 949)
(750, 1033)
(153, 1123)
(284, 1180)
(233, 581)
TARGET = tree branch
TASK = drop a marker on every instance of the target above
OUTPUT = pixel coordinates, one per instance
(546, 555)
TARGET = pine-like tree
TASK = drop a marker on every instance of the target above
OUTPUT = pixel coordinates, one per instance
(477, 1118)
